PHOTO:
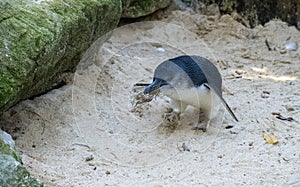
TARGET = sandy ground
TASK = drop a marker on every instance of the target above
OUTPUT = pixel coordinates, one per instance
(91, 132)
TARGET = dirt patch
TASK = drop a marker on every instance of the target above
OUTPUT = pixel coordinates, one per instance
(92, 133)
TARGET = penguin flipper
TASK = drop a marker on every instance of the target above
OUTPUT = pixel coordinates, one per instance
(222, 101)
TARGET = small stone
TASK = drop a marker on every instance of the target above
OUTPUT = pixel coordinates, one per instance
(275, 113)
(283, 51)
(265, 94)
(160, 49)
(291, 46)
(289, 108)
(239, 72)
(245, 56)
(89, 158)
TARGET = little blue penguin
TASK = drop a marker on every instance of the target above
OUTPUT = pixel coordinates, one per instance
(190, 80)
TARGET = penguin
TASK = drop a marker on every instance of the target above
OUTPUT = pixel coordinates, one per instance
(190, 80)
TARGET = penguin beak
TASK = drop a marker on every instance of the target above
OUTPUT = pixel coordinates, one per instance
(156, 84)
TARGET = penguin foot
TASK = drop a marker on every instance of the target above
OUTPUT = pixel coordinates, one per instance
(171, 117)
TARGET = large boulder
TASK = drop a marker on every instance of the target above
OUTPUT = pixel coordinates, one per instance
(139, 8)
(40, 40)
(262, 11)
(256, 11)
(12, 172)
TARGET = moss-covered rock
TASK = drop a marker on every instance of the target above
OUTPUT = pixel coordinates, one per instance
(138, 8)
(12, 172)
(39, 40)
(7, 146)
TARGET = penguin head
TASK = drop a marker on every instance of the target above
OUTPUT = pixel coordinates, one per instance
(155, 85)
(169, 78)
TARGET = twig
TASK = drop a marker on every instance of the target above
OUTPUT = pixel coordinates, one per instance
(268, 45)
(141, 84)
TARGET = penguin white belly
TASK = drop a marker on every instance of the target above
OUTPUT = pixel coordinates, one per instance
(201, 98)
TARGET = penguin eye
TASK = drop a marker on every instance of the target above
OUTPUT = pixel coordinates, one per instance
(163, 83)
(160, 82)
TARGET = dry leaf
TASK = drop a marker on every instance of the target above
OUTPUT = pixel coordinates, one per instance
(270, 138)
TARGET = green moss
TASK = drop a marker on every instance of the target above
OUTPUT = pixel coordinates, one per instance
(14, 174)
(138, 8)
(7, 146)
(40, 41)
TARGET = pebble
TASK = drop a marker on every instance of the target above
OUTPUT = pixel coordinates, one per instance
(283, 51)
(89, 158)
(291, 45)
(160, 49)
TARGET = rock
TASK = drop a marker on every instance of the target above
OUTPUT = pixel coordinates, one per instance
(179, 5)
(257, 11)
(139, 8)
(12, 172)
(40, 40)
(7, 146)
